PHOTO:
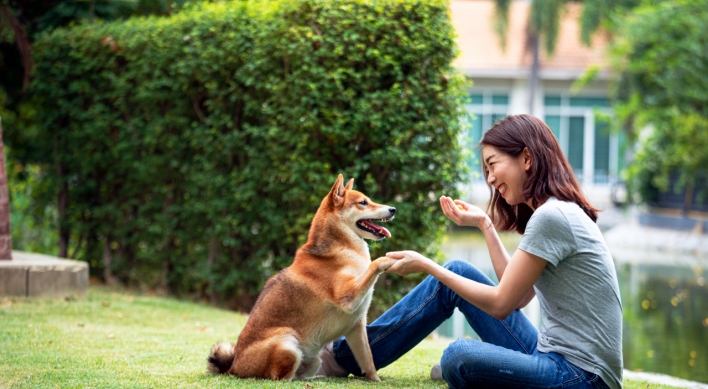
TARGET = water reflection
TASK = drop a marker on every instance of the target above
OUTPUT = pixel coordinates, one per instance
(665, 320)
(665, 307)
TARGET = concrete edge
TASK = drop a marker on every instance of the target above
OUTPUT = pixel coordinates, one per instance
(663, 379)
(39, 275)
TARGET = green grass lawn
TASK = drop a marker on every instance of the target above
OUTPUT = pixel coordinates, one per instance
(113, 339)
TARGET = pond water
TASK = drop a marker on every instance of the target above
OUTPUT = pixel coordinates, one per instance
(665, 307)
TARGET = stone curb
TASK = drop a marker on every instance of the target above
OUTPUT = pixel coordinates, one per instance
(34, 275)
(663, 379)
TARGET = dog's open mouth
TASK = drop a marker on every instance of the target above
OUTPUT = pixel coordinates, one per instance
(369, 226)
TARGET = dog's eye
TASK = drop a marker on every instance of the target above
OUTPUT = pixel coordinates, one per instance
(364, 203)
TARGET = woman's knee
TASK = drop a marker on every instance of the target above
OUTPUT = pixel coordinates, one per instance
(451, 353)
(457, 362)
(459, 351)
(467, 270)
(457, 266)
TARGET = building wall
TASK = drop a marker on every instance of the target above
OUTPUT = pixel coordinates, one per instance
(572, 117)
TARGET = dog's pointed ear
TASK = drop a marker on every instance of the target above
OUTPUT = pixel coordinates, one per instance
(350, 184)
(337, 192)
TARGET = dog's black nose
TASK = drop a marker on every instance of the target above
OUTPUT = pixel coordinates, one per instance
(392, 210)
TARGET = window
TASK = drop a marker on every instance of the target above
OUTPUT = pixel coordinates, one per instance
(576, 149)
(602, 153)
(485, 108)
(591, 149)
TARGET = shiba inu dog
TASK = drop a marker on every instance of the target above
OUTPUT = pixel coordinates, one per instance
(323, 295)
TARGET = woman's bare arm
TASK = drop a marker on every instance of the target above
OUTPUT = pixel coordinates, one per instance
(469, 215)
(498, 301)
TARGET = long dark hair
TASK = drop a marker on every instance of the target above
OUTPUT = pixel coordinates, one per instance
(550, 173)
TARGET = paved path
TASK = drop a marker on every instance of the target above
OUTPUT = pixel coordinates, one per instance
(663, 379)
(642, 244)
(32, 275)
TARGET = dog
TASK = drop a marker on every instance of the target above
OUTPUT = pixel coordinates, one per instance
(323, 295)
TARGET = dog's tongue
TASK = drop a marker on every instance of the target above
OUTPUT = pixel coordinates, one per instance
(383, 230)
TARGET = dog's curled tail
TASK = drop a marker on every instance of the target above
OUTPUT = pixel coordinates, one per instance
(221, 358)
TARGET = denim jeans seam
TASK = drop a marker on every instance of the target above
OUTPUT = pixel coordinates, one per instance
(572, 381)
(598, 382)
(576, 372)
(397, 325)
(516, 338)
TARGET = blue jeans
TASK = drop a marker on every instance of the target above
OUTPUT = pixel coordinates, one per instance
(505, 358)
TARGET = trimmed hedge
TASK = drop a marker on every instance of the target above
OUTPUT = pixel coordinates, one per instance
(191, 152)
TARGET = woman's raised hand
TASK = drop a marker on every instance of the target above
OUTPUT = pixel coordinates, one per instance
(461, 213)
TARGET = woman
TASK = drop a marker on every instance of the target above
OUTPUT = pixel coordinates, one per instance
(562, 259)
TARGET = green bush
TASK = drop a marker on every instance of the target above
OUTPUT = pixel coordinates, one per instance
(32, 213)
(191, 152)
(661, 56)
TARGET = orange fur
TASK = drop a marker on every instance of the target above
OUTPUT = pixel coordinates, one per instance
(323, 295)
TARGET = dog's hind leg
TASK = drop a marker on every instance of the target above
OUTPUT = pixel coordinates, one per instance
(285, 359)
(275, 358)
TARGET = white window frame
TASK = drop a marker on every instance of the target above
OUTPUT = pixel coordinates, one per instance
(565, 111)
(487, 109)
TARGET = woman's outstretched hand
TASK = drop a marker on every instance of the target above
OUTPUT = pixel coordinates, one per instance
(463, 214)
(408, 262)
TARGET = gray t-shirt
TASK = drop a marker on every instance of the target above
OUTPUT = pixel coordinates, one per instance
(581, 310)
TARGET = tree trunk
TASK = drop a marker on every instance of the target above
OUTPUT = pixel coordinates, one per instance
(533, 77)
(108, 262)
(687, 200)
(164, 286)
(61, 209)
(92, 11)
(22, 41)
(213, 247)
(5, 236)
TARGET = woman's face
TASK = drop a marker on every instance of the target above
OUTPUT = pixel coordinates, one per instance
(506, 173)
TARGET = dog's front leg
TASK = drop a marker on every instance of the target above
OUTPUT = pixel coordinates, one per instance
(349, 294)
(359, 344)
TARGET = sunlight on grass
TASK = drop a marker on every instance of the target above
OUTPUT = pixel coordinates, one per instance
(118, 340)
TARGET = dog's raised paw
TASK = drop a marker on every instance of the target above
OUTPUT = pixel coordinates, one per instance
(384, 263)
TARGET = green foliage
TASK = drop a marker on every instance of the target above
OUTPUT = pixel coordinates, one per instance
(588, 77)
(34, 17)
(661, 55)
(545, 17)
(68, 12)
(195, 149)
(609, 15)
(545, 21)
(32, 212)
(31, 209)
(501, 20)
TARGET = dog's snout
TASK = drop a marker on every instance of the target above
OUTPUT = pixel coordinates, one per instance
(392, 210)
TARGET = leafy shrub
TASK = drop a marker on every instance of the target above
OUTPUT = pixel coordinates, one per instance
(661, 55)
(32, 213)
(191, 152)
